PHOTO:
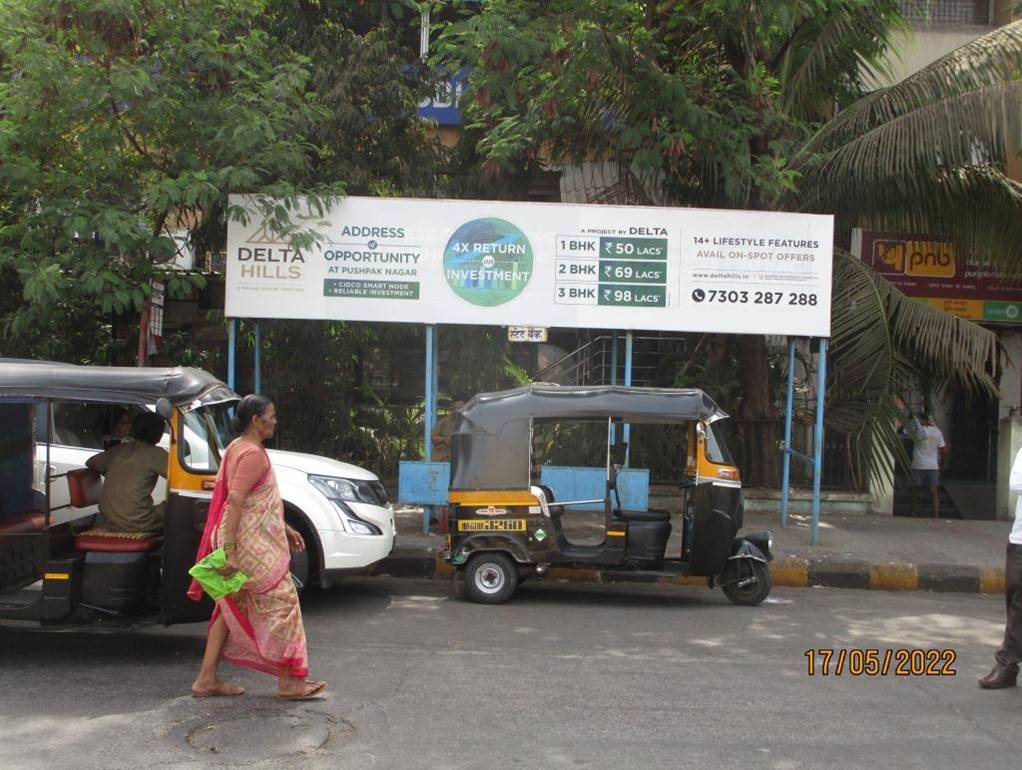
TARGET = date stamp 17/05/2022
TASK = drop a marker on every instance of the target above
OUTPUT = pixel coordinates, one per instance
(904, 661)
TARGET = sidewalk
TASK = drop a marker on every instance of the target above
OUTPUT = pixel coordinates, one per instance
(855, 551)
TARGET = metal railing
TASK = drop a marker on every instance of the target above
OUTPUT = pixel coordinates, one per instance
(946, 12)
(594, 362)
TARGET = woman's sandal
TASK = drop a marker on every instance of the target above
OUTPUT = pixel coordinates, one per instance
(311, 691)
(227, 691)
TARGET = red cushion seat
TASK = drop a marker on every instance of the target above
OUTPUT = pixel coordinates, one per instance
(116, 542)
(24, 524)
(85, 486)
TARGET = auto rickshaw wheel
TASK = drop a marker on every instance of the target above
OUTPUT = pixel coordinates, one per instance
(738, 584)
(490, 578)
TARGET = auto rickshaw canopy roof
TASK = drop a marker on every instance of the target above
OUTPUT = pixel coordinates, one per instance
(491, 439)
(109, 384)
(490, 411)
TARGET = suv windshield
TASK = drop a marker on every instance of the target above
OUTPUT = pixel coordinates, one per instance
(205, 434)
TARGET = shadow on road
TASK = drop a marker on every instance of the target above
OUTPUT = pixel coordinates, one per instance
(54, 647)
(618, 595)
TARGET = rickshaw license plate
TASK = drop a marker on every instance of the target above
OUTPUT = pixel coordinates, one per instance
(491, 525)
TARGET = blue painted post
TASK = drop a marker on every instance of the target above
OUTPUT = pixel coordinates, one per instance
(232, 350)
(430, 414)
(258, 383)
(629, 339)
(787, 432)
(430, 409)
(613, 378)
(436, 369)
(821, 382)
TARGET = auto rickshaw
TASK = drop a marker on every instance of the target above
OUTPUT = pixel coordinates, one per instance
(505, 525)
(60, 566)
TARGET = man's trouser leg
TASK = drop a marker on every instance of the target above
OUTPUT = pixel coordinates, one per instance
(1010, 654)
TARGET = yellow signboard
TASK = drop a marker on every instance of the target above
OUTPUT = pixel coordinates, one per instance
(926, 259)
(963, 308)
(491, 525)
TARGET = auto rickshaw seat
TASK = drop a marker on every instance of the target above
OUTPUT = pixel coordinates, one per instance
(118, 568)
(105, 541)
(653, 514)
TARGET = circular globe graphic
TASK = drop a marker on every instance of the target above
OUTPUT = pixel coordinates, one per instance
(488, 261)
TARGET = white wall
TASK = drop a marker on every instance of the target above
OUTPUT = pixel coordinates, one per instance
(919, 46)
(1011, 377)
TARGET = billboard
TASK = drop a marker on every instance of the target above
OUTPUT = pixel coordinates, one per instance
(541, 264)
(930, 270)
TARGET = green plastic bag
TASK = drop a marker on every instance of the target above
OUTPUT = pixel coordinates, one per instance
(213, 583)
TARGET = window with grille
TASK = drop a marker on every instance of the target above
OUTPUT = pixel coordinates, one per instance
(950, 12)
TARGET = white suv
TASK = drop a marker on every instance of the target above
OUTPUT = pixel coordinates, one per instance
(341, 510)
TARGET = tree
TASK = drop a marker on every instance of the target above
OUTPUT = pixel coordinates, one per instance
(368, 84)
(731, 103)
(121, 121)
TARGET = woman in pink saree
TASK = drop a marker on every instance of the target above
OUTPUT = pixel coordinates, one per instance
(261, 625)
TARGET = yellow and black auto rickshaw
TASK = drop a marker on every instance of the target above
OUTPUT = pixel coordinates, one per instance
(56, 565)
(505, 524)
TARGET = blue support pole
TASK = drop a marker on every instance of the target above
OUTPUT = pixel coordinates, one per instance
(613, 378)
(430, 414)
(629, 339)
(787, 433)
(821, 382)
(436, 369)
(430, 408)
(232, 350)
(258, 383)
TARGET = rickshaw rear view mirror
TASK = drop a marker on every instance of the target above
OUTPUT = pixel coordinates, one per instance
(164, 408)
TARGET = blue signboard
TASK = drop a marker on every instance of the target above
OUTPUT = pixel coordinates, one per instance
(443, 107)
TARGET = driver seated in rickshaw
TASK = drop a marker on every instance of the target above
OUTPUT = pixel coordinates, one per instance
(130, 472)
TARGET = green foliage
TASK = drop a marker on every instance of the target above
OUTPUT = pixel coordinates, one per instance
(929, 154)
(702, 101)
(363, 83)
(476, 359)
(732, 103)
(125, 120)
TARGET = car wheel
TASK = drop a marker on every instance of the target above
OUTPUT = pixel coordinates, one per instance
(490, 578)
(747, 582)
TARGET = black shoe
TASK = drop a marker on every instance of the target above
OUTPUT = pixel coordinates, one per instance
(998, 678)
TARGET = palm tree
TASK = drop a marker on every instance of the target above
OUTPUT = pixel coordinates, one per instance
(926, 155)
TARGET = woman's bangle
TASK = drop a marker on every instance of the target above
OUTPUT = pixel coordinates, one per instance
(229, 547)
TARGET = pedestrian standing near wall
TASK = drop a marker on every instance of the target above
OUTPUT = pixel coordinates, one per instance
(440, 438)
(1008, 657)
(929, 453)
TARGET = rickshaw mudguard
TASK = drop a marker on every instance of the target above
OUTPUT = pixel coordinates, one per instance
(746, 548)
(472, 544)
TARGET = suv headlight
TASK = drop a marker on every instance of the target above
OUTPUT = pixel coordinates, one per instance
(350, 490)
(342, 491)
